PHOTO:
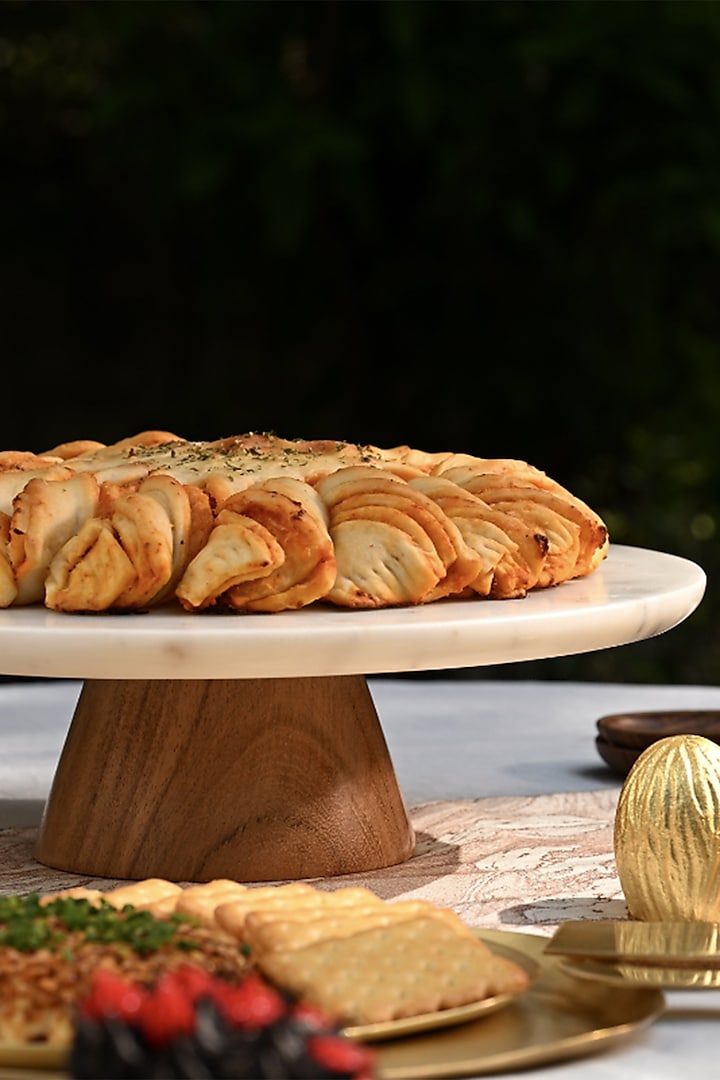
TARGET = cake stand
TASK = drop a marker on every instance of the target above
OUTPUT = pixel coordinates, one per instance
(249, 747)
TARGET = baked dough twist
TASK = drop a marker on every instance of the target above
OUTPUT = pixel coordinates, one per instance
(258, 523)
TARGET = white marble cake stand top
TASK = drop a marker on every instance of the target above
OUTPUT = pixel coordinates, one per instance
(635, 594)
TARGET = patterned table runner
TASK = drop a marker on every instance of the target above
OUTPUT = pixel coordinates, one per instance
(515, 863)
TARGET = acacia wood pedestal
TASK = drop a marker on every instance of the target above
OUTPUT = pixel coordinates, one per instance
(249, 779)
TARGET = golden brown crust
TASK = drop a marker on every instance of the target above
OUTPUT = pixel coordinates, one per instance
(297, 518)
(577, 538)
(46, 514)
(8, 585)
(237, 549)
(73, 449)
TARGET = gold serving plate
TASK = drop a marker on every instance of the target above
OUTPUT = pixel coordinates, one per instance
(556, 1019)
(663, 978)
(51, 1059)
(659, 944)
(668, 955)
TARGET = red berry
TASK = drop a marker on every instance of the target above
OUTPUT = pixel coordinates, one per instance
(249, 1004)
(311, 1016)
(112, 995)
(166, 1013)
(339, 1054)
(193, 982)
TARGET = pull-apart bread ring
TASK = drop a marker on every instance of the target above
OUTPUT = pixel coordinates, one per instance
(133, 554)
(296, 516)
(511, 555)
(8, 585)
(282, 556)
(238, 549)
(577, 536)
(257, 523)
(46, 514)
(393, 544)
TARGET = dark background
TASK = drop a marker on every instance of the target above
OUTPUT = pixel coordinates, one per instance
(488, 227)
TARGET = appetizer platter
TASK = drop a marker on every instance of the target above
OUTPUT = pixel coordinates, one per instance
(224, 602)
(123, 979)
(150, 979)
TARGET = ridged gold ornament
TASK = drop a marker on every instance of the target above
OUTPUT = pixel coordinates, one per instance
(667, 832)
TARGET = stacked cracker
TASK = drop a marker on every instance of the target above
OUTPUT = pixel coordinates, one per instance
(359, 959)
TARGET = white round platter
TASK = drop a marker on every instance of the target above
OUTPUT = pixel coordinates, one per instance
(635, 594)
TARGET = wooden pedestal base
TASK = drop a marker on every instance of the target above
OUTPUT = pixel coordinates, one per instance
(251, 779)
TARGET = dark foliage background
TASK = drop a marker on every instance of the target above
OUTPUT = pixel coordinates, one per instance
(492, 227)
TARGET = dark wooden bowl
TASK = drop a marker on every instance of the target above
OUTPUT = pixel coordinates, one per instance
(620, 758)
(639, 730)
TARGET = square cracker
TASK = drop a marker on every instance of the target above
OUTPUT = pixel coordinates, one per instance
(273, 928)
(76, 892)
(152, 894)
(407, 968)
(203, 901)
(147, 894)
(200, 901)
(294, 900)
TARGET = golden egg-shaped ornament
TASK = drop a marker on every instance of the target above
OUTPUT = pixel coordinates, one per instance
(667, 832)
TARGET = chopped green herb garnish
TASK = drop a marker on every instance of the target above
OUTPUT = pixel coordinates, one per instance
(27, 925)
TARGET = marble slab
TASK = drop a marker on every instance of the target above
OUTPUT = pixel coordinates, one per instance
(634, 594)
